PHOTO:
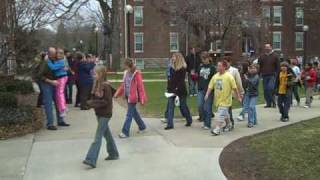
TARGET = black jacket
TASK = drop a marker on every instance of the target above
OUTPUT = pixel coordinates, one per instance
(193, 62)
(252, 85)
(176, 84)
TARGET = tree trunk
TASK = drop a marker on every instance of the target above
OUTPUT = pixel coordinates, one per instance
(115, 21)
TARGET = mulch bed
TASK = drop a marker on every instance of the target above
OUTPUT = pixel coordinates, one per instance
(238, 162)
(10, 130)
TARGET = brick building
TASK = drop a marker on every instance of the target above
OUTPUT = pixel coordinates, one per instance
(152, 37)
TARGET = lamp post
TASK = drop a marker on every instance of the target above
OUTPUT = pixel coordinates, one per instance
(81, 42)
(96, 30)
(128, 9)
(305, 30)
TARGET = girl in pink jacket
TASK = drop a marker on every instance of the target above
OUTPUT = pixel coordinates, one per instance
(133, 90)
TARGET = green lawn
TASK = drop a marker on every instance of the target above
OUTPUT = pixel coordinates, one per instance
(156, 104)
(156, 75)
(291, 152)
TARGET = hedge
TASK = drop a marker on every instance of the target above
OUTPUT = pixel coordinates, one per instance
(17, 86)
(16, 115)
(8, 100)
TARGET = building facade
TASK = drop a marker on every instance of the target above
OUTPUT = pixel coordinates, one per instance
(152, 36)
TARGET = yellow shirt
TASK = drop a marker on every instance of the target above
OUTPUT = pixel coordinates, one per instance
(223, 85)
(283, 83)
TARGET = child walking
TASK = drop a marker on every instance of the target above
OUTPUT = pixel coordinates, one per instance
(60, 69)
(251, 95)
(133, 90)
(223, 85)
(206, 71)
(309, 77)
(284, 84)
(102, 103)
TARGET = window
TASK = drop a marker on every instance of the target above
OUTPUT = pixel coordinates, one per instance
(299, 16)
(138, 15)
(277, 41)
(173, 15)
(277, 15)
(174, 42)
(138, 42)
(299, 40)
(266, 12)
(139, 63)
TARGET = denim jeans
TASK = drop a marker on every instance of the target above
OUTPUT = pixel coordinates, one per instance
(39, 101)
(69, 92)
(48, 92)
(252, 111)
(102, 130)
(245, 105)
(132, 113)
(205, 107)
(268, 88)
(167, 111)
(192, 85)
(295, 93)
(284, 104)
(184, 108)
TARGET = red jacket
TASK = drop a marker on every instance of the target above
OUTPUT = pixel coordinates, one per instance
(137, 92)
(313, 77)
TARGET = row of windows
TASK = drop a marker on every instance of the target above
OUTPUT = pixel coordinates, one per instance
(277, 40)
(138, 42)
(275, 12)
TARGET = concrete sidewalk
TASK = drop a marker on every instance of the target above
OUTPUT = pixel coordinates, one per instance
(179, 154)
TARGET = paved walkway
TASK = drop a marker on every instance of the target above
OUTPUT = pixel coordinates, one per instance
(180, 154)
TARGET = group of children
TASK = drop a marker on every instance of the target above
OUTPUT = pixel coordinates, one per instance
(216, 85)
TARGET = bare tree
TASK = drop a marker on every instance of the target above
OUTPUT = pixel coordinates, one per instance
(211, 20)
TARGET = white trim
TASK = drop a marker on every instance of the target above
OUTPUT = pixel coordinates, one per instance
(279, 33)
(281, 15)
(295, 41)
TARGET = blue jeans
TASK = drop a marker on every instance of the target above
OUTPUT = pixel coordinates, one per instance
(192, 85)
(102, 130)
(268, 87)
(284, 104)
(245, 105)
(205, 107)
(184, 108)
(167, 111)
(252, 111)
(132, 113)
(48, 92)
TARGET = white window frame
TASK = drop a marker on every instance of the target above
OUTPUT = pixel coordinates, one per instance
(135, 42)
(281, 14)
(134, 15)
(296, 16)
(302, 42)
(171, 42)
(277, 33)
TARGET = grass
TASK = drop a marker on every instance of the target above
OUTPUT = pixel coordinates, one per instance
(156, 104)
(291, 152)
(155, 75)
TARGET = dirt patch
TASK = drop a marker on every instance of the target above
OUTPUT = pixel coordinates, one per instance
(239, 162)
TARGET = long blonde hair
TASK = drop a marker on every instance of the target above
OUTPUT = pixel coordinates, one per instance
(179, 63)
(101, 73)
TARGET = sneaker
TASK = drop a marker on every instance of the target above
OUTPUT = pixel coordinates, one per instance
(164, 120)
(63, 124)
(205, 128)
(88, 164)
(110, 158)
(63, 114)
(250, 125)
(141, 131)
(168, 128)
(228, 128)
(285, 120)
(123, 136)
(240, 118)
(191, 95)
(307, 107)
(52, 128)
(195, 95)
(215, 132)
